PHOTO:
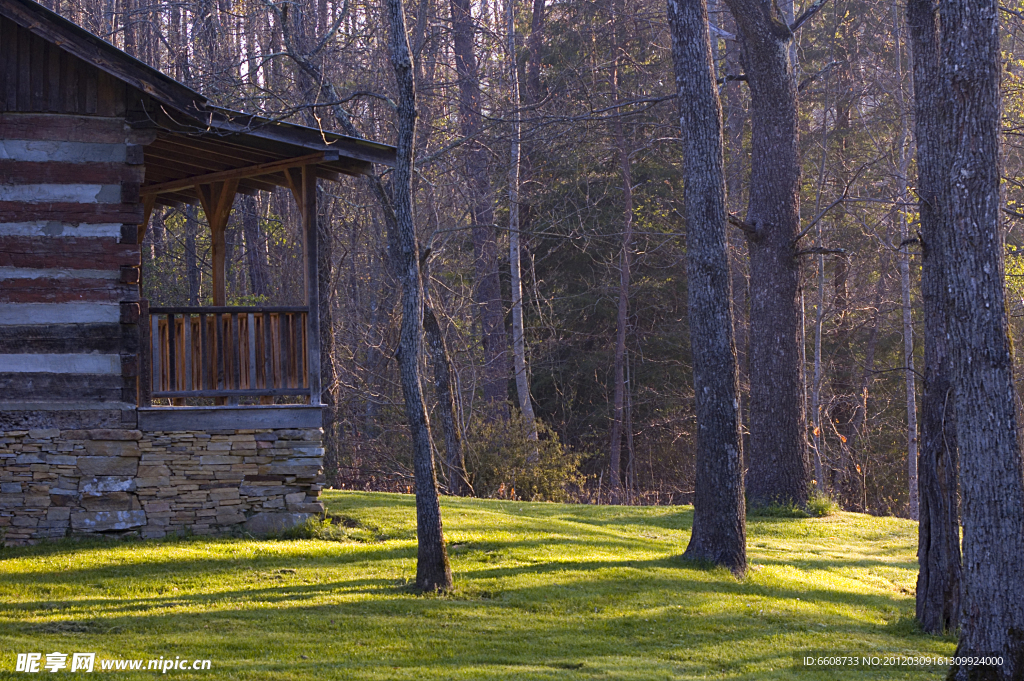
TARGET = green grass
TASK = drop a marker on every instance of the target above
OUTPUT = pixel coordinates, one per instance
(543, 591)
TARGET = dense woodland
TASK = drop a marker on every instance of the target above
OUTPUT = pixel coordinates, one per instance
(594, 213)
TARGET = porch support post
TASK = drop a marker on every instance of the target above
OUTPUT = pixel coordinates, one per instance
(217, 199)
(303, 185)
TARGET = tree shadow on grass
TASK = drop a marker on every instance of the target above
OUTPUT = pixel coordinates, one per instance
(573, 633)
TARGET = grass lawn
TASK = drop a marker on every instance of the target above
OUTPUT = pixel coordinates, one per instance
(543, 591)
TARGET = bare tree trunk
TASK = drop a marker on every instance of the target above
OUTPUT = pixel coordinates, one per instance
(485, 240)
(991, 471)
(735, 181)
(534, 44)
(719, 521)
(329, 387)
(191, 257)
(816, 434)
(908, 325)
(778, 463)
(447, 397)
(938, 551)
(433, 572)
(518, 330)
(625, 256)
(255, 250)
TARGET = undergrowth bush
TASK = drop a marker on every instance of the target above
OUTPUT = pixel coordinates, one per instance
(333, 528)
(818, 506)
(503, 463)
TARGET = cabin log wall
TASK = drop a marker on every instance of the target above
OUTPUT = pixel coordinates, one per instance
(70, 171)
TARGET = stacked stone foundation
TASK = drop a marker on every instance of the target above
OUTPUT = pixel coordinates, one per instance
(56, 483)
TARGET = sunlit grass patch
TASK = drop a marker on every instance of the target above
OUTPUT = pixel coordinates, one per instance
(543, 591)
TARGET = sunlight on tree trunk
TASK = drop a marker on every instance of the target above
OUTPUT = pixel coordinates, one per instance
(719, 520)
(518, 331)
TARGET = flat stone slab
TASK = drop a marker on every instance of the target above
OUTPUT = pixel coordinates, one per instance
(100, 521)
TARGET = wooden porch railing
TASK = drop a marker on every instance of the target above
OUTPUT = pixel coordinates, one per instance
(228, 352)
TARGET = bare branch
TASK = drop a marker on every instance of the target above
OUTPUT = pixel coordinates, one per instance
(817, 250)
(807, 15)
(729, 77)
(749, 229)
(719, 32)
(818, 217)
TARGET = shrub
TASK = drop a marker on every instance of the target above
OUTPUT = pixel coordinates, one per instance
(820, 505)
(502, 463)
(777, 510)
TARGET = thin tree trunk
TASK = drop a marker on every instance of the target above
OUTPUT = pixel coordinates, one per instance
(908, 325)
(816, 433)
(534, 43)
(735, 122)
(329, 387)
(991, 472)
(719, 521)
(255, 250)
(433, 572)
(625, 256)
(938, 550)
(908, 358)
(192, 273)
(518, 330)
(778, 463)
(487, 291)
(447, 398)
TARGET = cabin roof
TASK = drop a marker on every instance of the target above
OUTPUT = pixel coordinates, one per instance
(192, 141)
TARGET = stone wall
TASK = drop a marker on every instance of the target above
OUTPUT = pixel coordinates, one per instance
(56, 483)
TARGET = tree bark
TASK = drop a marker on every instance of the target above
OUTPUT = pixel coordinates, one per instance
(518, 327)
(778, 469)
(625, 257)
(938, 550)
(329, 388)
(904, 261)
(735, 180)
(255, 249)
(487, 293)
(719, 520)
(991, 473)
(192, 272)
(433, 572)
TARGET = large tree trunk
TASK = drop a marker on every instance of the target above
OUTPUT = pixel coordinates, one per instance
(778, 464)
(719, 521)
(487, 292)
(991, 474)
(938, 551)
(432, 569)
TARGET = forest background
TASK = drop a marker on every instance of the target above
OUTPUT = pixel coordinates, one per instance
(601, 232)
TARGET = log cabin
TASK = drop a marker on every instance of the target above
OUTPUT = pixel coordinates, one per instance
(117, 418)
